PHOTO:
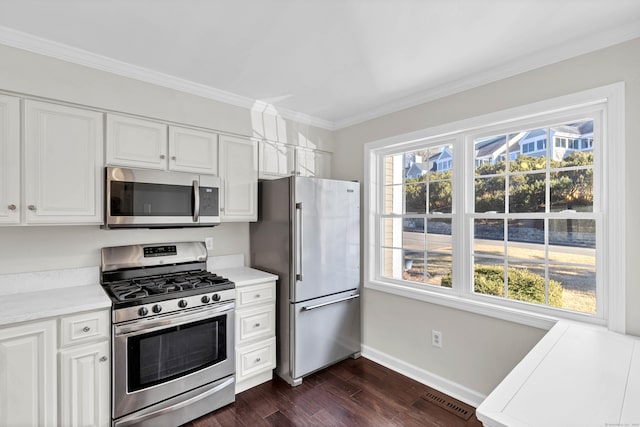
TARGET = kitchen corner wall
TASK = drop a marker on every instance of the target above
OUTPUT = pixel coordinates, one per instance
(479, 351)
(36, 248)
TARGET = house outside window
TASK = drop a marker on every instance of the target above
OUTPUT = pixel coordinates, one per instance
(524, 232)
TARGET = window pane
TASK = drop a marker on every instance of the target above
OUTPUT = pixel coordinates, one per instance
(487, 158)
(393, 169)
(572, 190)
(578, 284)
(488, 276)
(527, 192)
(489, 194)
(526, 282)
(439, 252)
(392, 200)
(440, 199)
(416, 197)
(391, 235)
(526, 239)
(414, 266)
(439, 269)
(573, 144)
(440, 161)
(529, 162)
(488, 237)
(416, 165)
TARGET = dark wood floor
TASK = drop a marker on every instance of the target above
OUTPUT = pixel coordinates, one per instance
(350, 393)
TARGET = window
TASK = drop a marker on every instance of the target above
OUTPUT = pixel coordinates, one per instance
(515, 236)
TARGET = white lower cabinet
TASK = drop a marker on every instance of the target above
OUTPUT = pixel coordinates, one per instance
(56, 372)
(84, 370)
(28, 391)
(255, 334)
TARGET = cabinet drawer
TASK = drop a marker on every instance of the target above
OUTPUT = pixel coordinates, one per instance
(250, 296)
(255, 358)
(255, 323)
(84, 327)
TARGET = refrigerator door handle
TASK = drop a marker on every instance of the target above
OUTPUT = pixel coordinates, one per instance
(299, 242)
(313, 307)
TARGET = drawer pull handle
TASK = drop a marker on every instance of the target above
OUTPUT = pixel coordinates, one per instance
(103, 359)
(257, 296)
(257, 359)
(257, 325)
(86, 329)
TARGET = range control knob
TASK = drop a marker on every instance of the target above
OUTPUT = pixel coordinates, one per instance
(143, 311)
(157, 308)
(205, 299)
(215, 297)
(182, 303)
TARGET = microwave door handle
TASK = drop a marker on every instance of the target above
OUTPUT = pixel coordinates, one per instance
(196, 203)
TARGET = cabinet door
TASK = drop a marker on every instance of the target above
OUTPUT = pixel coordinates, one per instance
(313, 163)
(28, 375)
(63, 164)
(136, 143)
(276, 160)
(239, 176)
(9, 160)
(192, 150)
(85, 385)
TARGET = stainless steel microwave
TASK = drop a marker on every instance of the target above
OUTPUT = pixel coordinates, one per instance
(138, 198)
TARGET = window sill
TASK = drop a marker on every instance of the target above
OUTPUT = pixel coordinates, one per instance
(497, 311)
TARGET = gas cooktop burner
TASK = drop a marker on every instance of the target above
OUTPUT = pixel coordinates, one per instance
(178, 283)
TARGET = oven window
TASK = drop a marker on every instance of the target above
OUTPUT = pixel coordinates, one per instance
(161, 356)
(143, 199)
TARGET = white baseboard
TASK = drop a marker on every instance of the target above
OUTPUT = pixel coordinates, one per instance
(444, 385)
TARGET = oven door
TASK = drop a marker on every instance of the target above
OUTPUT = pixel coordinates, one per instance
(158, 358)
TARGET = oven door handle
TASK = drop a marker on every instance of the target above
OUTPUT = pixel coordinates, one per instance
(135, 419)
(143, 327)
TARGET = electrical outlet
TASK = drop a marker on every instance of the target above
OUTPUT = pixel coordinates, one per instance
(436, 338)
(208, 242)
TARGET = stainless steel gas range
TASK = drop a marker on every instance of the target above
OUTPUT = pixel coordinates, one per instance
(173, 334)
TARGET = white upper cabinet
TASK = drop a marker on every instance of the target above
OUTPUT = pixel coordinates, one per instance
(238, 165)
(192, 150)
(313, 163)
(278, 160)
(147, 144)
(9, 160)
(63, 164)
(136, 143)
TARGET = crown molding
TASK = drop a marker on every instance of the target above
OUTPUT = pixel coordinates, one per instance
(539, 59)
(31, 43)
(530, 62)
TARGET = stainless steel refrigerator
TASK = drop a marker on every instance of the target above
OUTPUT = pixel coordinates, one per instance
(308, 233)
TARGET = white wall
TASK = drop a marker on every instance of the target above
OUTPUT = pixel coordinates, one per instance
(479, 351)
(45, 248)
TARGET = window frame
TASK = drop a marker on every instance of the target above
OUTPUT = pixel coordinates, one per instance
(610, 254)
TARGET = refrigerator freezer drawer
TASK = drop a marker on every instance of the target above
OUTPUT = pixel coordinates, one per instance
(325, 330)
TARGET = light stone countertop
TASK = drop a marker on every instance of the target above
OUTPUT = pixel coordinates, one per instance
(45, 294)
(232, 267)
(40, 295)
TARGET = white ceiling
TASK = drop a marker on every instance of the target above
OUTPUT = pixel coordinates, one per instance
(330, 62)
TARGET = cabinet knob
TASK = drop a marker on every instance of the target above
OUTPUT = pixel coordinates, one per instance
(257, 325)
(257, 296)
(86, 329)
(103, 359)
(173, 157)
(162, 156)
(31, 207)
(12, 207)
(257, 359)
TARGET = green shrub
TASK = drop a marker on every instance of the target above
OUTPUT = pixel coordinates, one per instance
(523, 284)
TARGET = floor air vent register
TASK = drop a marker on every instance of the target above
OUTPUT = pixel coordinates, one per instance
(457, 408)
